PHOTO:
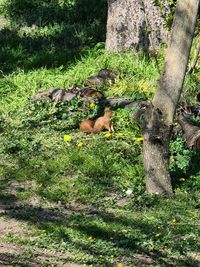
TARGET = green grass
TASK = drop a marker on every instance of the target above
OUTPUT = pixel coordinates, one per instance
(34, 132)
(166, 232)
(89, 215)
(110, 227)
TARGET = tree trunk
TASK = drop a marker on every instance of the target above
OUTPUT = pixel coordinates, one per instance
(155, 151)
(176, 61)
(134, 24)
(158, 118)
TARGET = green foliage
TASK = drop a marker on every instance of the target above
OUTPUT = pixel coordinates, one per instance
(184, 164)
(83, 178)
(167, 10)
(180, 154)
(195, 120)
(33, 133)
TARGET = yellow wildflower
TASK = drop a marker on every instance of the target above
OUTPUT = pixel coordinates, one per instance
(107, 135)
(120, 264)
(157, 235)
(40, 185)
(92, 105)
(139, 139)
(80, 144)
(67, 138)
(181, 179)
(174, 220)
(90, 238)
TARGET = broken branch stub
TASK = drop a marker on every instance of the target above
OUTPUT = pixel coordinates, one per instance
(191, 132)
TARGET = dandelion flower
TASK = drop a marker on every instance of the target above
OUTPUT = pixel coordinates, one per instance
(90, 238)
(92, 105)
(67, 138)
(107, 135)
(120, 264)
(157, 235)
(139, 139)
(80, 144)
(174, 220)
(181, 179)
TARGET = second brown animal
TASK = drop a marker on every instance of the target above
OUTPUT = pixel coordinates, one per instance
(104, 122)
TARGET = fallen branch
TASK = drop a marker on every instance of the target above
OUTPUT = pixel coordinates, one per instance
(191, 132)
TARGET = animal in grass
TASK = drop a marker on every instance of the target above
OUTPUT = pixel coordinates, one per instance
(87, 126)
(101, 123)
(103, 77)
(104, 122)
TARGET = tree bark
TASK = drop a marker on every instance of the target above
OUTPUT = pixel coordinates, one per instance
(135, 24)
(155, 152)
(158, 118)
(191, 131)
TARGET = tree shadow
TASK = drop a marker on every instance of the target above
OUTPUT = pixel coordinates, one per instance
(48, 34)
(45, 12)
(56, 221)
(6, 259)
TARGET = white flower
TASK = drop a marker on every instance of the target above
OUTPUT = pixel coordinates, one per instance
(129, 192)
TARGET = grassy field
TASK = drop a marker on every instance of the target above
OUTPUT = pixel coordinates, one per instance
(66, 203)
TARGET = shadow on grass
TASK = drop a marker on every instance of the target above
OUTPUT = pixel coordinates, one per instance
(108, 235)
(48, 34)
(6, 259)
(18, 255)
(42, 13)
